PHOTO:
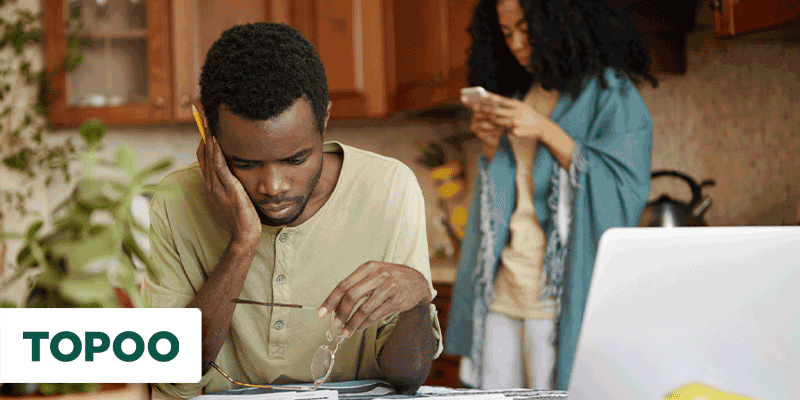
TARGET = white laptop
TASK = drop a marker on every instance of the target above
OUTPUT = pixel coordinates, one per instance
(673, 306)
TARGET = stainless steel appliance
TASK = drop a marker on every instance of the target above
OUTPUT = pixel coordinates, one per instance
(668, 212)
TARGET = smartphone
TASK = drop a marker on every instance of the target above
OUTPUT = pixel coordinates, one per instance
(477, 95)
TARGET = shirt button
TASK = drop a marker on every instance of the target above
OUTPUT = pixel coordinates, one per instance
(280, 279)
(278, 325)
(283, 237)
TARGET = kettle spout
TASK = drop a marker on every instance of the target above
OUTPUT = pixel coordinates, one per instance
(669, 216)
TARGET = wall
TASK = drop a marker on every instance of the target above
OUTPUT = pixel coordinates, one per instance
(735, 118)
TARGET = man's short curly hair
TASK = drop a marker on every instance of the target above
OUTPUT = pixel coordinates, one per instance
(570, 40)
(259, 70)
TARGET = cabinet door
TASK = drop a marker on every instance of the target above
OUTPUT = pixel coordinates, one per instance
(196, 24)
(349, 36)
(444, 370)
(123, 77)
(734, 17)
(430, 51)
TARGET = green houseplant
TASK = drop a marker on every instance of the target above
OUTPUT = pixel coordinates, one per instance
(88, 257)
(83, 252)
(28, 160)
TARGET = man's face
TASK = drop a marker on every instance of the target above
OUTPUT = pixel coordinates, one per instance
(278, 161)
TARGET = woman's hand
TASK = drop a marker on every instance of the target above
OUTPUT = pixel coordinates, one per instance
(518, 118)
(522, 120)
(229, 193)
(481, 123)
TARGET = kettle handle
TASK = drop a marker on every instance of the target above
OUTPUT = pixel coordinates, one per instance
(697, 189)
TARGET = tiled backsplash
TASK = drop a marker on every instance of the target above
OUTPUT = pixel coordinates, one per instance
(735, 118)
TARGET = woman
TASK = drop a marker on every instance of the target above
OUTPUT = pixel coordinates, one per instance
(566, 142)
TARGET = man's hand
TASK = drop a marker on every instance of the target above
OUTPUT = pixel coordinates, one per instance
(387, 288)
(229, 193)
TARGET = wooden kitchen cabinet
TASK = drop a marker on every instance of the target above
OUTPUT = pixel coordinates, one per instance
(350, 38)
(735, 17)
(428, 53)
(444, 370)
(142, 58)
(196, 24)
(123, 77)
(385, 56)
(348, 35)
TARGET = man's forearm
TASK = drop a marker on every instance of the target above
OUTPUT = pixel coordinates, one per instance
(407, 355)
(214, 298)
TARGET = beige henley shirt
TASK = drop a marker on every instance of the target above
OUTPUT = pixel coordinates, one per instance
(376, 212)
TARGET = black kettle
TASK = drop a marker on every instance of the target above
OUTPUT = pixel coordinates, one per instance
(667, 212)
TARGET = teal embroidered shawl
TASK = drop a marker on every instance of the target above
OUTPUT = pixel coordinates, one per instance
(610, 178)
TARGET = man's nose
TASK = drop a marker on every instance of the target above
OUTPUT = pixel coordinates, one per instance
(273, 182)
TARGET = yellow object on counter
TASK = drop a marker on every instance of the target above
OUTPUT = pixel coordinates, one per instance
(459, 221)
(446, 171)
(199, 123)
(699, 391)
(449, 190)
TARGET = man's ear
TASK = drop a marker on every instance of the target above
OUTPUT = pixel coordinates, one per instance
(327, 114)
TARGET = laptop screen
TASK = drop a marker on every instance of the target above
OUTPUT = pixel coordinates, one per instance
(673, 306)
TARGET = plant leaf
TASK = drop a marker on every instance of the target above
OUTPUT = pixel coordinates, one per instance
(34, 229)
(129, 244)
(125, 160)
(11, 235)
(89, 255)
(93, 131)
(154, 168)
(87, 289)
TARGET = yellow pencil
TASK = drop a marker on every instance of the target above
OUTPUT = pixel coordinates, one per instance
(199, 123)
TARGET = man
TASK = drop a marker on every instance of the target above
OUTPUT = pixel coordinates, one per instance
(270, 213)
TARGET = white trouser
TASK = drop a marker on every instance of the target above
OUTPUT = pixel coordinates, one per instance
(517, 354)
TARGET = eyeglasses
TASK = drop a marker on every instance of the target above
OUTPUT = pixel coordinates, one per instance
(321, 364)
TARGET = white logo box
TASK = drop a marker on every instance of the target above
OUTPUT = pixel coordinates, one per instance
(16, 352)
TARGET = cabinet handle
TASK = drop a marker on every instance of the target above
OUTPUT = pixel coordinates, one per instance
(160, 101)
(185, 100)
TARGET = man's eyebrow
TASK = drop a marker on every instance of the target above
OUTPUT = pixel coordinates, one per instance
(299, 154)
(239, 159)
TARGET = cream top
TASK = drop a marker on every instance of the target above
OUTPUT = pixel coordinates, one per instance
(517, 284)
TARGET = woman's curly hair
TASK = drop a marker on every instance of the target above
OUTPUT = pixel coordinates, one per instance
(570, 41)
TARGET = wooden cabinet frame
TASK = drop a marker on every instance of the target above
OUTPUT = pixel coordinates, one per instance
(733, 17)
(158, 106)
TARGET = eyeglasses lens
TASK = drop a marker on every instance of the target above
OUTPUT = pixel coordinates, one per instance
(334, 333)
(321, 364)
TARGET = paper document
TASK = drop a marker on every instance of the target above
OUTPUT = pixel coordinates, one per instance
(299, 395)
(463, 396)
